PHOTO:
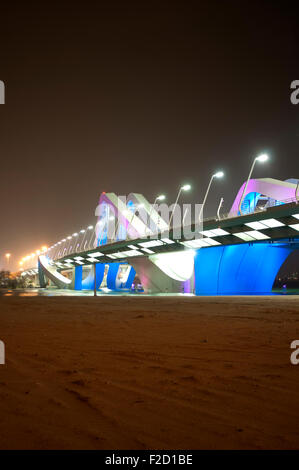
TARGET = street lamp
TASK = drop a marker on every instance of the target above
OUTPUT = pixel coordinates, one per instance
(219, 174)
(85, 232)
(93, 231)
(162, 197)
(7, 256)
(186, 187)
(261, 158)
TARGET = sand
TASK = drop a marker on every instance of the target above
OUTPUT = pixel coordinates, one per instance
(149, 373)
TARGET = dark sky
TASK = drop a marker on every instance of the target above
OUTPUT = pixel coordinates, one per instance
(138, 96)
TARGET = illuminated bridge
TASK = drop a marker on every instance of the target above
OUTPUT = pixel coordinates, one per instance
(237, 253)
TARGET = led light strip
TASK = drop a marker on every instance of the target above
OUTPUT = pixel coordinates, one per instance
(251, 235)
(151, 244)
(217, 232)
(200, 243)
(97, 254)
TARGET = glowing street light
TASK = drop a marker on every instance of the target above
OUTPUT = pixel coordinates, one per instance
(261, 158)
(219, 174)
(74, 235)
(186, 187)
(161, 197)
(90, 227)
(7, 256)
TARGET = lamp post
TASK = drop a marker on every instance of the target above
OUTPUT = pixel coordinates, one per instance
(59, 250)
(161, 197)
(7, 256)
(79, 244)
(261, 158)
(75, 235)
(186, 187)
(90, 227)
(219, 174)
(219, 207)
(69, 245)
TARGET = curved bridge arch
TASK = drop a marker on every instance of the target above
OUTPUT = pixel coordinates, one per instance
(269, 187)
(51, 273)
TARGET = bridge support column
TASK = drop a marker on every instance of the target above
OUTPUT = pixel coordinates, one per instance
(112, 275)
(113, 282)
(130, 278)
(88, 282)
(100, 270)
(153, 279)
(238, 269)
(41, 276)
(78, 277)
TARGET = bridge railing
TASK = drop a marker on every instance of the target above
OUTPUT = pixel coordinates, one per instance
(257, 210)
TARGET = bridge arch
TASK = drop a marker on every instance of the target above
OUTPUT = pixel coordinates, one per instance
(272, 189)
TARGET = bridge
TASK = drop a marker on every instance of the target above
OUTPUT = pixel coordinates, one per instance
(134, 247)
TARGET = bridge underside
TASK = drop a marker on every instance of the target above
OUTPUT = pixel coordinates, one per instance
(221, 270)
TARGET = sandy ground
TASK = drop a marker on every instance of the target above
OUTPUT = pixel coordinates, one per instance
(149, 373)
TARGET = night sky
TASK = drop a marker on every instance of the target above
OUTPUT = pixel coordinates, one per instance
(138, 97)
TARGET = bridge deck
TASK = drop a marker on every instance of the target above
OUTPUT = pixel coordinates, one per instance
(276, 224)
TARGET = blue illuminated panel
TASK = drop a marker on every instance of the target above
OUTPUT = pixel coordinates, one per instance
(238, 269)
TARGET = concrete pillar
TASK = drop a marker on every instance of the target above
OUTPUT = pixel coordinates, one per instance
(112, 275)
(41, 276)
(78, 278)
